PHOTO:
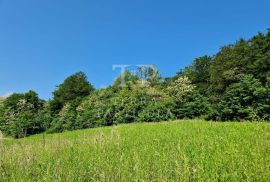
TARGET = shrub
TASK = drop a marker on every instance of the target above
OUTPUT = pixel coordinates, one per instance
(20, 115)
(158, 111)
(75, 87)
(246, 100)
(129, 103)
(181, 88)
(95, 110)
(195, 106)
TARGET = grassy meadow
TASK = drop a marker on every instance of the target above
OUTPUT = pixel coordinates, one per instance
(166, 151)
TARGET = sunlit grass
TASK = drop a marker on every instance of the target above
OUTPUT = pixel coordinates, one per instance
(167, 151)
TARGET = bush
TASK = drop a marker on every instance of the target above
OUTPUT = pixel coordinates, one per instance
(195, 106)
(20, 115)
(128, 104)
(181, 88)
(246, 100)
(25, 124)
(159, 111)
(75, 87)
(95, 110)
(65, 120)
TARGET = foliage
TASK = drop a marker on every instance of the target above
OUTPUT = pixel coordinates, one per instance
(44, 117)
(181, 88)
(65, 120)
(195, 106)
(126, 79)
(149, 74)
(140, 103)
(199, 73)
(246, 100)
(74, 87)
(95, 109)
(158, 111)
(20, 115)
(128, 104)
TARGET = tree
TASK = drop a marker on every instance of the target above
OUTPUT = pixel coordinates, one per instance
(20, 113)
(199, 73)
(96, 109)
(181, 88)
(12, 101)
(161, 110)
(195, 106)
(259, 62)
(246, 100)
(65, 120)
(127, 104)
(74, 87)
(149, 74)
(245, 57)
(126, 80)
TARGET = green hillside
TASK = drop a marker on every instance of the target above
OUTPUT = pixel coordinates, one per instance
(166, 151)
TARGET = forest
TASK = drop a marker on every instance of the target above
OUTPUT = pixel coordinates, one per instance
(232, 85)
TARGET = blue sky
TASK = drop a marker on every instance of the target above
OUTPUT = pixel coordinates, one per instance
(42, 42)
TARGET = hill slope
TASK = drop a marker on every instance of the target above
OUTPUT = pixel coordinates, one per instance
(184, 150)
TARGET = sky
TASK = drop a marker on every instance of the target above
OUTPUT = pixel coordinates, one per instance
(44, 41)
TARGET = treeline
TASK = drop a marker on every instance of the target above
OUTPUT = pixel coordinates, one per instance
(233, 85)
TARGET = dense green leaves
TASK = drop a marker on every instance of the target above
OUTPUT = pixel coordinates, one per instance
(74, 87)
(199, 73)
(246, 100)
(195, 106)
(20, 115)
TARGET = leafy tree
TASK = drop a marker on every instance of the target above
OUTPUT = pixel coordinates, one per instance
(74, 87)
(150, 74)
(12, 101)
(199, 73)
(95, 110)
(181, 88)
(244, 57)
(195, 106)
(65, 120)
(246, 100)
(20, 113)
(25, 124)
(128, 104)
(157, 111)
(44, 117)
(227, 67)
(126, 79)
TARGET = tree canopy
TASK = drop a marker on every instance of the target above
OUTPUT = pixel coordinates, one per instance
(75, 87)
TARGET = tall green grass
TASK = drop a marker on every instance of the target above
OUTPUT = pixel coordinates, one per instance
(167, 151)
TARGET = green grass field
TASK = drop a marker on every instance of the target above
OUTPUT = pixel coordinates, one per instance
(167, 151)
